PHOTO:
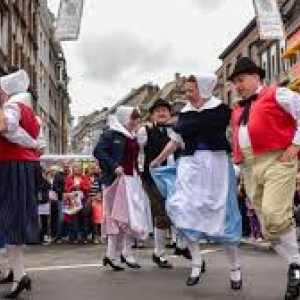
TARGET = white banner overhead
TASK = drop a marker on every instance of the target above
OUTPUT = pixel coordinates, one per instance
(269, 20)
(69, 20)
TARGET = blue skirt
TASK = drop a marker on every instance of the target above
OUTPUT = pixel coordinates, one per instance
(19, 202)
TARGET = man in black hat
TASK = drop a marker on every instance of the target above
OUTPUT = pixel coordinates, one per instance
(153, 139)
(266, 141)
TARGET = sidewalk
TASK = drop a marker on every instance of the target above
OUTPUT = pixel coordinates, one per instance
(256, 245)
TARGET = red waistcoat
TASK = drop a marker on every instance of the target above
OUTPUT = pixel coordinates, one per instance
(270, 127)
(13, 152)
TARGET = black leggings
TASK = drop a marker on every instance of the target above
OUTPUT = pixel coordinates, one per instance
(44, 226)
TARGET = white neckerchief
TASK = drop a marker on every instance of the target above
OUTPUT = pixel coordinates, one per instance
(24, 98)
(259, 89)
(213, 102)
(115, 125)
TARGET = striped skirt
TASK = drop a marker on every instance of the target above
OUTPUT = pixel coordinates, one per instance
(19, 182)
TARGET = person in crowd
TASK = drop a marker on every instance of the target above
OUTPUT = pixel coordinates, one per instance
(77, 188)
(242, 200)
(44, 207)
(97, 217)
(297, 206)
(95, 196)
(256, 233)
(58, 229)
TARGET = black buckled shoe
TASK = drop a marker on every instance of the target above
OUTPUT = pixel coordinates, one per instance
(161, 262)
(8, 279)
(183, 252)
(203, 266)
(236, 285)
(132, 265)
(293, 285)
(192, 280)
(110, 262)
(23, 284)
(171, 245)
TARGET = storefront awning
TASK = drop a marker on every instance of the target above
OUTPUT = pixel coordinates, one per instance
(291, 50)
(295, 85)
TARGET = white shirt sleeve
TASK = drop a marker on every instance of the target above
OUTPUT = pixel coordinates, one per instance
(15, 133)
(142, 136)
(21, 137)
(177, 138)
(41, 141)
(12, 114)
(290, 102)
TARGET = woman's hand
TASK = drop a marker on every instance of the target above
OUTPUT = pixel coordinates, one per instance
(119, 171)
(154, 164)
(290, 154)
(3, 123)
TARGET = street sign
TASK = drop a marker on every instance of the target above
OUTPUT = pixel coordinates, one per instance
(69, 20)
(269, 20)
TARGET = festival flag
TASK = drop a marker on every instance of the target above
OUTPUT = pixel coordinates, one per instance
(69, 20)
(269, 20)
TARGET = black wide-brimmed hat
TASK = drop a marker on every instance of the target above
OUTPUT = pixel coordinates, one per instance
(246, 65)
(160, 103)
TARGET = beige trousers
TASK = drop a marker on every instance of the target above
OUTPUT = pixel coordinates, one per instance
(271, 184)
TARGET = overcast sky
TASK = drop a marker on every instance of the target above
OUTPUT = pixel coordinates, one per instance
(126, 43)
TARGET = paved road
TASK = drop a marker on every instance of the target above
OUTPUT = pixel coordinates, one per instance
(66, 272)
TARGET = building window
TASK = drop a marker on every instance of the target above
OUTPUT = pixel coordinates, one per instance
(228, 70)
(229, 98)
(265, 64)
(293, 60)
(273, 61)
(4, 31)
(273, 66)
(283, 62)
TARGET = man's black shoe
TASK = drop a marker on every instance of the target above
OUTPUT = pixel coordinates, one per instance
(183, 252)
(293, 285)
(171, 246)
(161, 262)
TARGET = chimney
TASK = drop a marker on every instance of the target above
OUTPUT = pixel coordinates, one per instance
(177, 76)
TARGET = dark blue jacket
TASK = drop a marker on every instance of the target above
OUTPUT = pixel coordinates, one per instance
(109, 152)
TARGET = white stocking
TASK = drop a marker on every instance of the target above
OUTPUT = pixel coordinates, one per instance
(159, 241)
(196, 259)
(232, 253)
(16, 261)
(288, 247)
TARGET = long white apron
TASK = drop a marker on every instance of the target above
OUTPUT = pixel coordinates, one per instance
(201, 191)
(140, 217)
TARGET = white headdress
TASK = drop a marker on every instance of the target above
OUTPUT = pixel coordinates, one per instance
(15, 83)
(206, 83)
(120, 119)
